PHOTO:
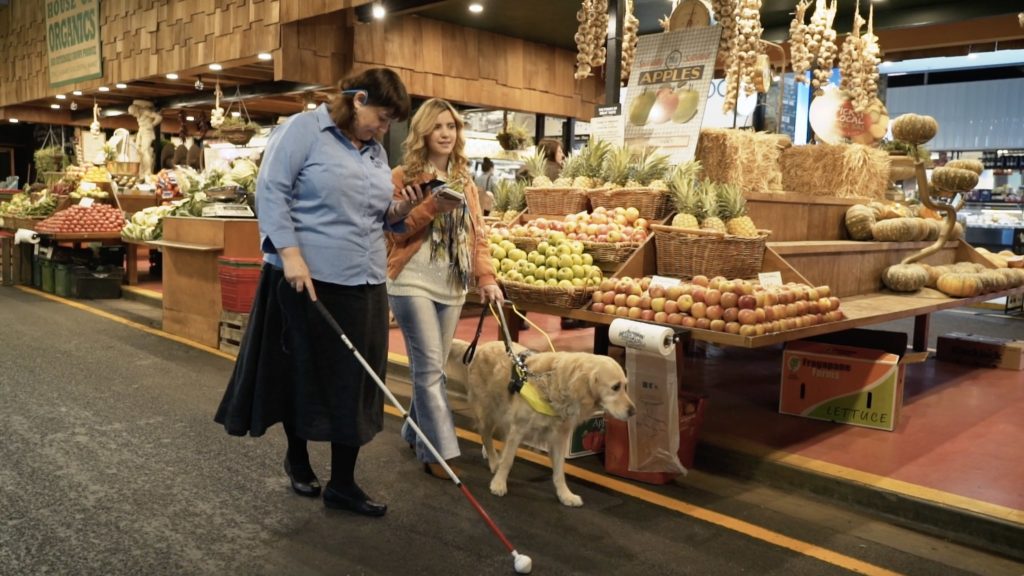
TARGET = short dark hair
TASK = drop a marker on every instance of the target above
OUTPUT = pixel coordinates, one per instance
(549, 147)
(487, 164)
(383, 87)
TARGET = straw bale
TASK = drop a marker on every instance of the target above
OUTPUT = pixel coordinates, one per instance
(843, 170)
(749, 160)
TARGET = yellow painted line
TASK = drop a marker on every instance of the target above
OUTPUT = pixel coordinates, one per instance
(698, 512)
(129, 323)
(859, 476)
(144, 292)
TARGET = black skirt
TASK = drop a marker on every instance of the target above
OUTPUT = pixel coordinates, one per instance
(293, 368)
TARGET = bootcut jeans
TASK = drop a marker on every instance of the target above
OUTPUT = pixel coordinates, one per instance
(428, 328)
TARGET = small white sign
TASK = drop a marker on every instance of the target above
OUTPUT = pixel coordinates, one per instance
(664, 281)
(611, 129)
(770, 279)
(86, 202)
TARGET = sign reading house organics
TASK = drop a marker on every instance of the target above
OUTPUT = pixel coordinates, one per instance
(73, 40)
(668, 87)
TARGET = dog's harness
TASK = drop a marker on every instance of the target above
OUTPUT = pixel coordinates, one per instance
(519, 380)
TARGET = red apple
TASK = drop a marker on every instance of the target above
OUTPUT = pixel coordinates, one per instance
(657, 291)
(647, 315)
(729, 299)
(622, 311)
(633, 301)
(645, 302)
(824, 291)
(634, 312)
(674, 292)
(610, 308)
(685, 302)
(748, 330)
(620, 299)
(747, 316)
(747, 302)
(700, 280)
(608, 297)
(660, 317)
(597, 307)
(731, 314)
(675, 319)
(760, 314)
(732, 327)
(717, 325)
(714, 312)
(698, 294)
(672, 306)
(834, 303)
(712, 296)
(658, 304)
(702, 323)
(688, 321)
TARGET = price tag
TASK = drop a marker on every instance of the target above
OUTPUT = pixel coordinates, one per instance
(664, 281)
(770, 279)
(86, 202)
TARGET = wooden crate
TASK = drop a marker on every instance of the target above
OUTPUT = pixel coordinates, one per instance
(798, 217)
(232, 328)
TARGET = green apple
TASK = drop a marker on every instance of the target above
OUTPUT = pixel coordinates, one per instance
(550, 273)
(565, 261)
(552, 261)
(516, 254)
(565, 274)
(588, 259)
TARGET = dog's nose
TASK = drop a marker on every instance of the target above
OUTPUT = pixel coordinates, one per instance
(632, 411)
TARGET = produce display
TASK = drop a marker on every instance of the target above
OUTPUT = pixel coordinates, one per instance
(78, 219)
(558, 262)
(147, 224)
(21, 204)
(96, 174)
(618, 225)
(732, 306)
(509, 200)
(88, 189)
(710, 206)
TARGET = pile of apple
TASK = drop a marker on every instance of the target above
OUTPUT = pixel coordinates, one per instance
(733, 306)
(555, 262)
(603, 225)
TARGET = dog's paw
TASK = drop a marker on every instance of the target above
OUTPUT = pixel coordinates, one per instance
(492, 463)
(569, 499)
(499, 488)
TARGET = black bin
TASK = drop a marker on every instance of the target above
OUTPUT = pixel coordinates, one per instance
(101, 283)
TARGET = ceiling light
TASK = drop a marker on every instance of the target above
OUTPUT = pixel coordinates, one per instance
(476, 7)
(310, 105)
(190, 118)
(121, 85)
(172, 76)
(103, 89)
(77, 92)
(378, 10)
(236, 114)
(55, 106)
(12, 120)
(111, 112)
(73, 105)
(265, 56)
(61, 96)
(215, 67)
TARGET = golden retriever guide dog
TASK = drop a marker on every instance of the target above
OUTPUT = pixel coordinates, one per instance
(575, 385)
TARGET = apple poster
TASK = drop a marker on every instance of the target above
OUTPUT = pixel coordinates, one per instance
(668, 88)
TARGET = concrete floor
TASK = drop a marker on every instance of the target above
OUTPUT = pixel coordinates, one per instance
(110, 463)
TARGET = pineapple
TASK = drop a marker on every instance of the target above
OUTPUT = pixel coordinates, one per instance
(570, 169)
(618, 165)
(652, 167)
(535, 165)
(516, 201)
(591, 162)
(707, 207)
(682, 186)
(733, 209)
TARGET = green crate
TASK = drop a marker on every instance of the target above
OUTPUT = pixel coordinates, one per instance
(37, 272)
(47, 276)
(62, 280)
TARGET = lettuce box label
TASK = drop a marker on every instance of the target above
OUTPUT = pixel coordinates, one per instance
(841, 384)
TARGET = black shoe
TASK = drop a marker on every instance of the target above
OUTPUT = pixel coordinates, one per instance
(352, 498)
(310, 489)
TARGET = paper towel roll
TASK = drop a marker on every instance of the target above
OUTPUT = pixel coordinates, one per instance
(642, 336)
(24, 235)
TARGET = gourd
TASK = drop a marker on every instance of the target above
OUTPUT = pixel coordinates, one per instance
(972, 165)
(859, 220)
(905, 277)
(934, 273)
(946, 179)
(959, 284)
(934, 229)
(914, 128)
(900, 230)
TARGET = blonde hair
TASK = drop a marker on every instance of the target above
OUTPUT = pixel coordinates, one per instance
(417, 155)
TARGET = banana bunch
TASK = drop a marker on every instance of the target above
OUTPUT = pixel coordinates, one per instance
(87, 191)
(44, 206)
(96, 174)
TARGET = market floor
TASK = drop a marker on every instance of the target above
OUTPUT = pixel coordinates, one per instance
(111, 464)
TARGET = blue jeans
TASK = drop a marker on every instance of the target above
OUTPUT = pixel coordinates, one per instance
(428, 329)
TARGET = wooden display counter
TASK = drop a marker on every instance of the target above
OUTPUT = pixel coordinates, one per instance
(794, 217)
(132, 203)
(191, 283)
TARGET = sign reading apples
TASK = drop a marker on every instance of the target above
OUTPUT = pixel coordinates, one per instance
(667, 90)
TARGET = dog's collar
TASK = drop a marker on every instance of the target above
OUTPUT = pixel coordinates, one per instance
(533, 397)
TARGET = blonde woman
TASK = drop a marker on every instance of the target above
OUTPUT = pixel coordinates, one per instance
(431, 266)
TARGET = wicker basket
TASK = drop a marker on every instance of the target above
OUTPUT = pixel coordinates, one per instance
(527, 243)
(239, 136)
(123, 168)
(652, 204)
(520, 293)
(684, 252)
(556, 201)
(611, 251)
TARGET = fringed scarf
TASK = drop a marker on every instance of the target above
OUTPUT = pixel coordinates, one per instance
(450, 243)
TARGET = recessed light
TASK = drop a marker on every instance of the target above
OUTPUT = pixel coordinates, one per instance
(172, 76)
(121, 85)
(61, 96)
(12, 120)
(378, 10)
(55, 106)
(476, 7)
(972, 55)
(311, 105)
(77, 92)
(190, 118)
(236, 114)
(265, 56)
(103, 89)
(215, 67)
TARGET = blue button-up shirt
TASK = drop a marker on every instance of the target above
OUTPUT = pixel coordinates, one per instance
(319, 192)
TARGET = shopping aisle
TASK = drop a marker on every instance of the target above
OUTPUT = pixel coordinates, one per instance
(111, 464)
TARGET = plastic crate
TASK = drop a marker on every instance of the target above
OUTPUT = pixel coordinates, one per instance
(62, 280)
(98, 284)
(46, 281)
(37, 272)
(238, 281)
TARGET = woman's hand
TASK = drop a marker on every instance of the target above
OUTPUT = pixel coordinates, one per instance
(296, 273)
(408, 198)
(491, 293)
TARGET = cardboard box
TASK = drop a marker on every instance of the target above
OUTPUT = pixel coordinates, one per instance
(981, 351)
(843, 384)
(586, 439)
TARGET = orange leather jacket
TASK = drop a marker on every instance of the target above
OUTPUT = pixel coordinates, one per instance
(402, 247)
